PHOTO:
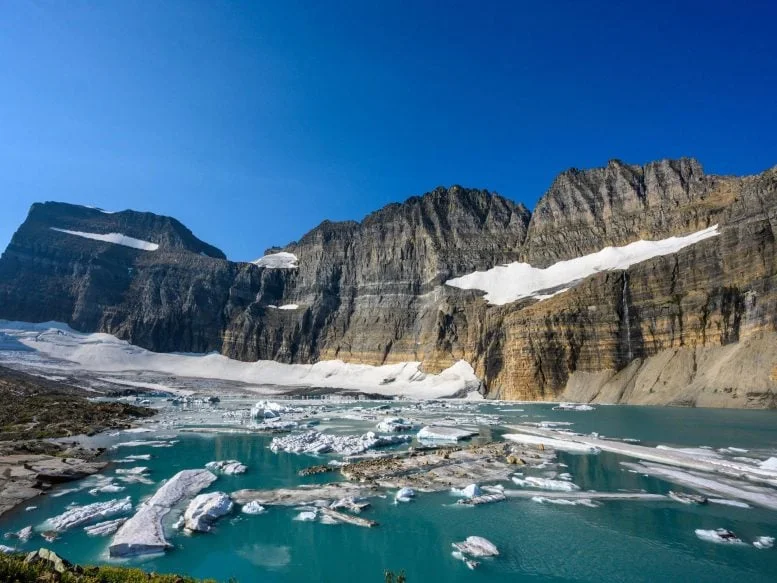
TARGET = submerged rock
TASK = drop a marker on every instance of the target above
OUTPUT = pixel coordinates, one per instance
(205, 509)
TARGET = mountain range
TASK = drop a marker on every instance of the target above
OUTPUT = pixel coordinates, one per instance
(691, 324)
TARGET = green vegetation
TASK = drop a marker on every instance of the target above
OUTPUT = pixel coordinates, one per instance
(14, 569)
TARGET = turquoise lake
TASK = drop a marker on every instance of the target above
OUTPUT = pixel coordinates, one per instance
(628, 540)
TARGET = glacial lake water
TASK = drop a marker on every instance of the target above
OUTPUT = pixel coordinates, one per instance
(629, 540)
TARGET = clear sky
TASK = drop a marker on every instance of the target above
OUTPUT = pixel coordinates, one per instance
(251, 122)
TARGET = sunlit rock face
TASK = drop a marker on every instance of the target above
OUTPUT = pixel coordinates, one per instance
(673, 329)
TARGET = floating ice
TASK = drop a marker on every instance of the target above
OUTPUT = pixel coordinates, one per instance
(441, 433)
(80, 515)
(468, 491)
(573, 407)
(105, 528)
(252, 507)
(143, 533)
(314, 442)
(560, 444)
(404, 495)
(719, 535)
(764, 542)
(228, 467)
(307, 515)
(396, 424)
(477, 546)
(205, 509)
(565, 502)
(546, 484)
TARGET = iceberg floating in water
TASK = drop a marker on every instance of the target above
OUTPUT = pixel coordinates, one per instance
(314, 442)
(394, 424)
(81, 515)
(252, 507)
(764, 542)
(477, 546)
(468, 491)
(404, 495)
(546, 484)
(227, 467)
(105, 528)
(442, 433)
(204, 510)
(143, 533)
(719, 535)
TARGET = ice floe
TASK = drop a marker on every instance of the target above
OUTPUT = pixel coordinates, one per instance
(252, 507)
(80, 515)
(559, 444)
(143, 533)
(566, 502)
(573, 407)
(477, 546)
(442, 433)
(404, 495)
(315, 442)
(395, 424)
(115, 238)
(204, 510)
(227, 467)
(764, 542)
(469, 491)
(269, 410)
(720, 536)
(504, 284)
(546, 484)
(104, 528)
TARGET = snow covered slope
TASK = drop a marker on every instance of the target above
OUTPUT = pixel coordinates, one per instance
(105, 353)
(507, 283)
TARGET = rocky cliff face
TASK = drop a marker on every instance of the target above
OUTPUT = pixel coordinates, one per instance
(675, 329)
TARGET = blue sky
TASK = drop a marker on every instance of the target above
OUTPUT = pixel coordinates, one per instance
(251, 122)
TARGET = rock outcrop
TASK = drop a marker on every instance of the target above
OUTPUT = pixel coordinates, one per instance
(674, 329)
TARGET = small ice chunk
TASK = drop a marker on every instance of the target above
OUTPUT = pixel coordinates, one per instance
(764, 542)
(104, 528)
(770, 464)
(404, 495)
(394, 424)
(227, 467)
(477, 546)
(80, 515)
(307, 515)
(252, 507)
(546, 484)
(468, 491)
(719, 535)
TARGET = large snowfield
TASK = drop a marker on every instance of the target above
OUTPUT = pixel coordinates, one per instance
(105, 353)
(514, 281)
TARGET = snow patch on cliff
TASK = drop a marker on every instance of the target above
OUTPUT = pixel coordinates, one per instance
(514, 281)
(281, 260)
(116, 238)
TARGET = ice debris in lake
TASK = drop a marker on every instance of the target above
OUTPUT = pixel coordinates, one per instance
(106, 488)
(394, 424)
(307, 515)
(227, 467)
(404, 495)
(143, 533)
(23, 535)
(104, 528)
(205, 509)
(350, 503)
(442, 433)
(468, 491)
(573, 407)
(132, 471)
(565, 502)
(252, 507)
(770, 464)
(315, 442)
(764, 542)
(725, 502)
(269, 410)
(146, 443)
(546, 484)
(559, 444)
(80, 515)
(719, 535)
(477, 546)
